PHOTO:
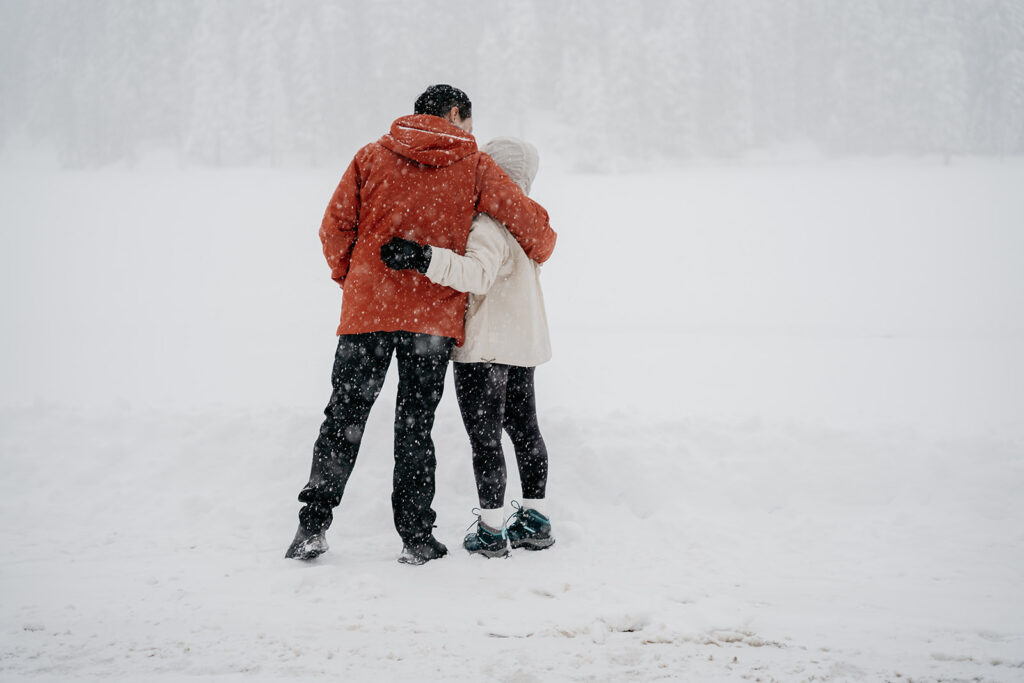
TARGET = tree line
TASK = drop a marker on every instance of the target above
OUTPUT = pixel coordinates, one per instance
(307, 81)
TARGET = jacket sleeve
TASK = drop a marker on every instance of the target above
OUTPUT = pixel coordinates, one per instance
(341, 221)
(501, 198)
(486, 251)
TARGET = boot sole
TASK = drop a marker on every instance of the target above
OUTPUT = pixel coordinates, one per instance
(306, 556)
(407, 557)
(501, 552)
(416, 561)
(533, 543)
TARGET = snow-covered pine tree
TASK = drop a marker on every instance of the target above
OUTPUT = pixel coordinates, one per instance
(673, 68)
(726, 113)
(995, 66)
(261, 59)
(207, 69)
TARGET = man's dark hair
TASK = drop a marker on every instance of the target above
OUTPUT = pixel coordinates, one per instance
(438, 100)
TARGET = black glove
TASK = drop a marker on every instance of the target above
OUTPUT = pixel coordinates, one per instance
(400, 254)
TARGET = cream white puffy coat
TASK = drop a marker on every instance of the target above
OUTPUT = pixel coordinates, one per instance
(505, 318)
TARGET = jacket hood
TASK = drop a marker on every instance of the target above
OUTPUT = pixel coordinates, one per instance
(516, 157)
(428, 140)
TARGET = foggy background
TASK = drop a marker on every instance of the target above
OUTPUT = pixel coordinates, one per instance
(604, 84)
(775, 169)
(786, 310)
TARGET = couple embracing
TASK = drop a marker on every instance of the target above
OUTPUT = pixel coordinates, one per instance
(436, 246)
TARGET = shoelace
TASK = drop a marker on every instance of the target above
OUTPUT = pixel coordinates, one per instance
(520, 513)
(518, 507)
(522, 517)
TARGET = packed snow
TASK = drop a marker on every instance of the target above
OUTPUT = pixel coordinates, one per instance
(785, 418)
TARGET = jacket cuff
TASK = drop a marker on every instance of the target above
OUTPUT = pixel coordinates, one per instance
(439, 263)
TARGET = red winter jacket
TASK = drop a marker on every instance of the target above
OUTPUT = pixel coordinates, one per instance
(424, 181)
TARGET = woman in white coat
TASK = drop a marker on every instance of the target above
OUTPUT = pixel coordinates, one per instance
(506, 338)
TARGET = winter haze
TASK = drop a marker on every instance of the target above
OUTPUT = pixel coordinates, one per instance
(786, 406)
(305, 82)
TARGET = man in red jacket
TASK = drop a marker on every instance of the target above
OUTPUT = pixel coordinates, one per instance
(423, 181)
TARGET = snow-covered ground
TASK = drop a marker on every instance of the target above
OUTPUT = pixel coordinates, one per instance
(786, 420)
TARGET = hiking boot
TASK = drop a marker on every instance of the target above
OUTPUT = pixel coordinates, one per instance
(306, 545)
(486, 541)
(530, 529)
(422, 551)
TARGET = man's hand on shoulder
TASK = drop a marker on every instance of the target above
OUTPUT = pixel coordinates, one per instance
(402, 254)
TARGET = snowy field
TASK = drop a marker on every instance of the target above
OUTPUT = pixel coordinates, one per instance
(785, 418)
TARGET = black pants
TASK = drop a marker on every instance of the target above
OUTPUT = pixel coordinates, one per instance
(360, 366)
(493, 397)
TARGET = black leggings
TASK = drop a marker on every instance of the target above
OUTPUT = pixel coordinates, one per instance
(491, 397)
